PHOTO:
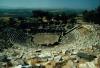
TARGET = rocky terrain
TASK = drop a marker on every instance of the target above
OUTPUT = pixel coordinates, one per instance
(78, 49)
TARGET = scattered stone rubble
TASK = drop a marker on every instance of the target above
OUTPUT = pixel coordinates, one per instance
(54, 59)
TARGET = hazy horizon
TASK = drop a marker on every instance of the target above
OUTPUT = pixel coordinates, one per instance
(49, 4)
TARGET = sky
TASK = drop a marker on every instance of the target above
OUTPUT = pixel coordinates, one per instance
(76, 4)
